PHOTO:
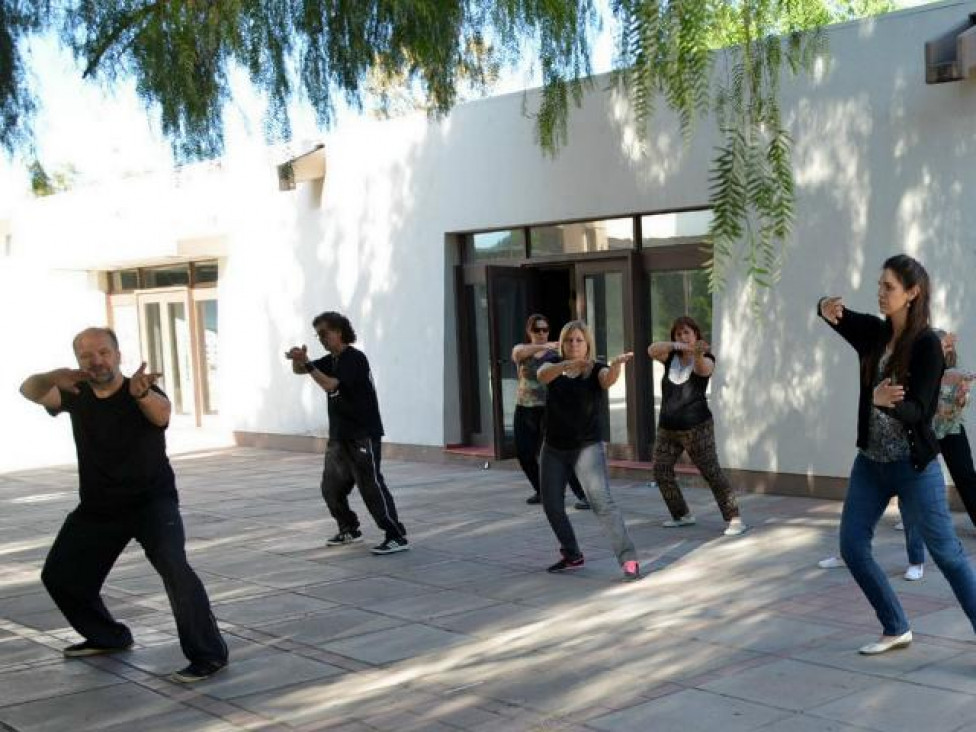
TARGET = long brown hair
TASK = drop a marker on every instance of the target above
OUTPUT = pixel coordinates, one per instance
(910, 273)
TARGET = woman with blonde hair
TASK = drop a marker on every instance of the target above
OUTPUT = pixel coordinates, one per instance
(530, 404)
(574, 443)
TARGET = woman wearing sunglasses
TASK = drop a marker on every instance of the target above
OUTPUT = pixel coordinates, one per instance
(530, 404)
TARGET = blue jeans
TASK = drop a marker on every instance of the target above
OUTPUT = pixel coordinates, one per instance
(922, 500)
(590, 465)
(914, 544)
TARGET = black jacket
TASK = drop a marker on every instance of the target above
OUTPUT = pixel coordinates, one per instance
(869, 335)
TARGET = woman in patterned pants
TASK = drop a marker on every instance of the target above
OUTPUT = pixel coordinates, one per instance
(686, 424)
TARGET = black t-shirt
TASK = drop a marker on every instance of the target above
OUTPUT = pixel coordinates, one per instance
(354, 411)
(684, 406)
(574, 409)
(122, 461)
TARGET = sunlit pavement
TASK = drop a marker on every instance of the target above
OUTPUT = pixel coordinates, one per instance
(467, 631)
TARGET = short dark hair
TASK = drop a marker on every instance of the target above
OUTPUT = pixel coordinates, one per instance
(336, 321)
(685, 321)
(96, 329)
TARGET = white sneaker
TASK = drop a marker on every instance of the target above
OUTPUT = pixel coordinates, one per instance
(900, 526)
(735, 527)
(914, 572)
(686, 520)
(831, 563)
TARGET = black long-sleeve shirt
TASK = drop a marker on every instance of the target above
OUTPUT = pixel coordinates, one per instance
(869, 335)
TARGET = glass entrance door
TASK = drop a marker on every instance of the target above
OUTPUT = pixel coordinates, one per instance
(511, 298)
(603, 294)
(167, 345)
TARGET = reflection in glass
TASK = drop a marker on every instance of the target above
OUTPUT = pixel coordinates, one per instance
(204, 273)
(125, 280)
(477, 298)
(495, 245)
(604, 314)
(510, 310)
(176, 276)
(125, 323)
(207, 319)
(179, 338)
(586, 236)
(668, 229)
(154, 344)
(672, 294)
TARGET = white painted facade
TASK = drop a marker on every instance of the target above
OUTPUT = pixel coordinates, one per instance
(884, 164)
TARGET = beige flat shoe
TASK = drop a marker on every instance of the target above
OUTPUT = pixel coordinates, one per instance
(887, 644)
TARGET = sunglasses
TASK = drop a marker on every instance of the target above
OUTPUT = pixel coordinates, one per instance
(541, 329)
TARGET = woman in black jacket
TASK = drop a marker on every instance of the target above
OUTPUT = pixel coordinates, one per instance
(901, 367)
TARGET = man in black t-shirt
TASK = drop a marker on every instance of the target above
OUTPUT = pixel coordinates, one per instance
(127, 491)
(355, 431)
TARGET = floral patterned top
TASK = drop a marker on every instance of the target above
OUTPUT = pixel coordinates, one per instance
(953, 398)
(531, 392)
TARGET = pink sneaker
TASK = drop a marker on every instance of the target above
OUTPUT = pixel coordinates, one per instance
(631, 571)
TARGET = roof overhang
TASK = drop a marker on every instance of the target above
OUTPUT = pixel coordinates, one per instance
(308, 166)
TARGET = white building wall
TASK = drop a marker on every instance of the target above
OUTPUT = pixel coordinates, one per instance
(884, 164)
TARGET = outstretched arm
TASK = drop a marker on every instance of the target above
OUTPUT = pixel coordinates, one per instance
(301, 364)
(152, 402)
(45, 388)
(858, 329)
(608, 376)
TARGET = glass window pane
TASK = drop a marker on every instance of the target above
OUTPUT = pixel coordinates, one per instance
(605, 315)
(478, 302)
(125, 280)
(179, 338)
(587, 236)
(495, 245)
(125, 322)
(672, 294)
(154, 343)
(204, 273)
(669, 229)
(167, 276)
(207, 317)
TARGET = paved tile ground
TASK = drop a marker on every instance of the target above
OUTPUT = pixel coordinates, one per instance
(467, 631)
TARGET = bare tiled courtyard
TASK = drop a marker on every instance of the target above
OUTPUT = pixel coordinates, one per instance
(467, 631)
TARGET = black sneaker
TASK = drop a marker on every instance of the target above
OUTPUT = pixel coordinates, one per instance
(197, 671)
(534, 500)
(391, 546)
(353, 536)
(566, 564)
(87, 648)
(582, 505)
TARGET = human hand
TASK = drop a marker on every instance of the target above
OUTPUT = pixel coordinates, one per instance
(887, 395)
(140, 381)
(622, 358)
(832, 309)
(700, 347)
(68, 379)
(298, 354)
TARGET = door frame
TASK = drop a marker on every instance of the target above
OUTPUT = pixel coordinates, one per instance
(500, 352)
(628, 264)
(164, 297)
